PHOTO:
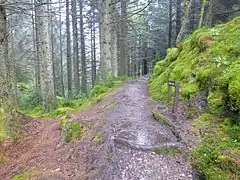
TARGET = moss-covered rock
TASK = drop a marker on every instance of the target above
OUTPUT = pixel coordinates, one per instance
(208, 60)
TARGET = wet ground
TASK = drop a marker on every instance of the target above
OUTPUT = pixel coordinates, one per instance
(132, 138)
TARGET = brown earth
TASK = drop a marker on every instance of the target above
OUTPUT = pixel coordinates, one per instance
(130, 136)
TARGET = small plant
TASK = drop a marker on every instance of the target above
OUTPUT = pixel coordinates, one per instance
(24, 175)
(98, 90)
(71, 130)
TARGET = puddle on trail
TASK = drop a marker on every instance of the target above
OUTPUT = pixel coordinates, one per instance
(141, 139)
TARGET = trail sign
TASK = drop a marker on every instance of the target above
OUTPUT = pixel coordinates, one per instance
(176, 94)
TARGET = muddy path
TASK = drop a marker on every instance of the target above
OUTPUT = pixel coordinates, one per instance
(132, 138)
(129, 136)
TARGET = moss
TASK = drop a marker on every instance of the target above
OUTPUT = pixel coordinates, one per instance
(172, 54)
(208, 60)
(170, 150)
(215, 101)
(161, 118)
(62, 111)
(71, 130)
(191, 111)
(24, 175)
(98, 138)
(234, 89)
(27, 174)
(218, 153)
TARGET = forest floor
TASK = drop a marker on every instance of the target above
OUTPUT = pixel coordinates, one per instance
(122, 142)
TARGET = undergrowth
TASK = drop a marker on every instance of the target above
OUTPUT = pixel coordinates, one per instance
(71, 130)
(30, 99)
(208, 61)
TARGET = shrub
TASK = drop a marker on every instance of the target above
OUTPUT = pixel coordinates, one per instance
(30, 98)
(97, 90)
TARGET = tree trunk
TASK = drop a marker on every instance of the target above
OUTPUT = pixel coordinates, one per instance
(178, 17)
(76, 76)
(123, 57)
(61, 51)
(36, 48)
(191, 19)
(46, 65)
(170, 25)
(114, 48)
(83, 54)
(105, 39)
(69, 60)
(93, 46)
(51, 40)
(8, 114)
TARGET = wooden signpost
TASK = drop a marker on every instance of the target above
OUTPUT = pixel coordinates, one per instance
(176, 94)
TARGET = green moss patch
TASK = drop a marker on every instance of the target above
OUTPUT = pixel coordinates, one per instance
(71, 130)
(98, 138)
(170, 150)
(208, 60)
(161, 118)
(218, 154)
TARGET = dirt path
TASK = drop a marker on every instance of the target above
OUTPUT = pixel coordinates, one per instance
(123, 120)
(133, 135)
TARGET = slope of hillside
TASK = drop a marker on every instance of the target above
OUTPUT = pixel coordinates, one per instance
(209, 61)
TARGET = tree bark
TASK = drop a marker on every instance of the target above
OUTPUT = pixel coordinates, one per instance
(36, 48)
(93, 46)
(51, 40)
(105, 39)
(178, 17)
(123, 58)
(76, 75)
(46, 65)
(69, 60)
(61, 51)
(170, 25)
(83, 54)
(114, 48)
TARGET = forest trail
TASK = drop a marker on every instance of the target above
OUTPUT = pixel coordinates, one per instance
(124, 120)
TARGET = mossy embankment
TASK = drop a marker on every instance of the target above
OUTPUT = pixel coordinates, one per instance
(208, 61)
